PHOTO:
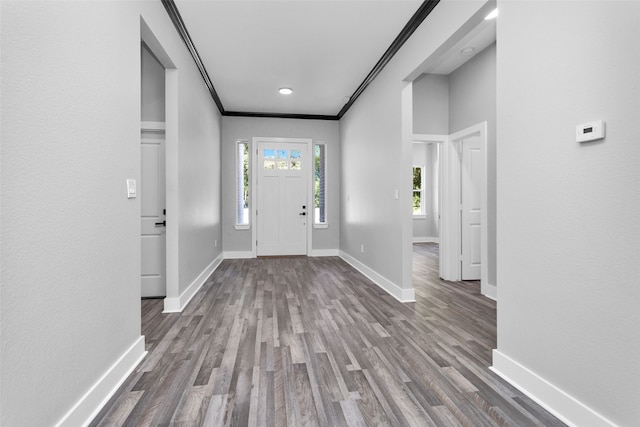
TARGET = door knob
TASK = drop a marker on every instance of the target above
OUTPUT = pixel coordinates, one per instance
(302, 213)
(161, 224)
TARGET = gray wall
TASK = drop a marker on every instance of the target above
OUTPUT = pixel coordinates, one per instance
(431, 104)
(569, 234)
(472, 99)
(235, 128)
(70, 253)
(153, 98)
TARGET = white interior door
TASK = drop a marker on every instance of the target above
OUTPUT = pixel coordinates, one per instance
(152, 202)
(282, 215)
(471, 173)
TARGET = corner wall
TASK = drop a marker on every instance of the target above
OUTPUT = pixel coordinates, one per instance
(376, 159)
(70, 273)
(568, 231)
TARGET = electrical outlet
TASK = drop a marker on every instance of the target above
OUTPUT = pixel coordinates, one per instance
(362, 248)
(215, 243)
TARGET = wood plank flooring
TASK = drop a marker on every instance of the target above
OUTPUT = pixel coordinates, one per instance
(311, 342)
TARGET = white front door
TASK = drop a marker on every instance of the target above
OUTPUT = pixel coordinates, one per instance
(471, 173)
(283, 211)
(152, 207)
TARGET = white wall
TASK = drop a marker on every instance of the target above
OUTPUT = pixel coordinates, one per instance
(568, 229)
(375, 160)
(70, 277)
(245, 128)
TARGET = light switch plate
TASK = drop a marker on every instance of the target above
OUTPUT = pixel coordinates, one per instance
(590, 131)
(131, 189)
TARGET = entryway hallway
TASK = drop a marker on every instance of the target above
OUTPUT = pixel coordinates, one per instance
(310, 341)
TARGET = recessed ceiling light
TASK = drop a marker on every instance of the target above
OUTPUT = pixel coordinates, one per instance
(285, 91)
(493, 14)
(467, 51)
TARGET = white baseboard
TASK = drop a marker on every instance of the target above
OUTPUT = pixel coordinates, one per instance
(402, 295)
(325, 252)
(489, 291)
(99, 394)
(426, 240)
(564, 406)
(176, 305)
(238, 254)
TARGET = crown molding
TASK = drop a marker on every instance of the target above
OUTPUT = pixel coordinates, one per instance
(280, 115)
(423, 11)
(418, 17)
(176, 18)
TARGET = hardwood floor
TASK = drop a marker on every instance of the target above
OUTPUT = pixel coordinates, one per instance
(310, 341)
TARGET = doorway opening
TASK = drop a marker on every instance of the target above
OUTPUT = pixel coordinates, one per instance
(445, 104)
(167, 132)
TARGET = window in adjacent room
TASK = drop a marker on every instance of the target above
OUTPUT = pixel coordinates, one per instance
(418, 191)
(242, 185)
(320, 185)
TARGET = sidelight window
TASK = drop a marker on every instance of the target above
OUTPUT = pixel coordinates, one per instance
(242, 184)
(320, 184)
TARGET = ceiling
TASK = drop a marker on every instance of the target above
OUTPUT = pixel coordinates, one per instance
(323, 49)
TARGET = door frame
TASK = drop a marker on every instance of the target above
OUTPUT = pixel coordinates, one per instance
(171, 300)
(253, 188)
(451, 230)
(151, 127)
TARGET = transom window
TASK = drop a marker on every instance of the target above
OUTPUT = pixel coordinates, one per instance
(282, 159)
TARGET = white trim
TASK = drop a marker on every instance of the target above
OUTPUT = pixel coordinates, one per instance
(418, 138)
(449, 212)
(426, 240)
(490, 291)
(450, 266)
(238, 254)
(85, 409)
(242, 226)
(176, 305)
(151, 126)
(321, 225)
(324, 252)
(561, 404)
(402, 295)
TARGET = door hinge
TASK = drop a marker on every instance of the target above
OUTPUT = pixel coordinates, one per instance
(256, 243)
(460, 258)
(460, 208)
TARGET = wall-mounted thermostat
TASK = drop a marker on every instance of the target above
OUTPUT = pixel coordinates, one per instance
(590, 131)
